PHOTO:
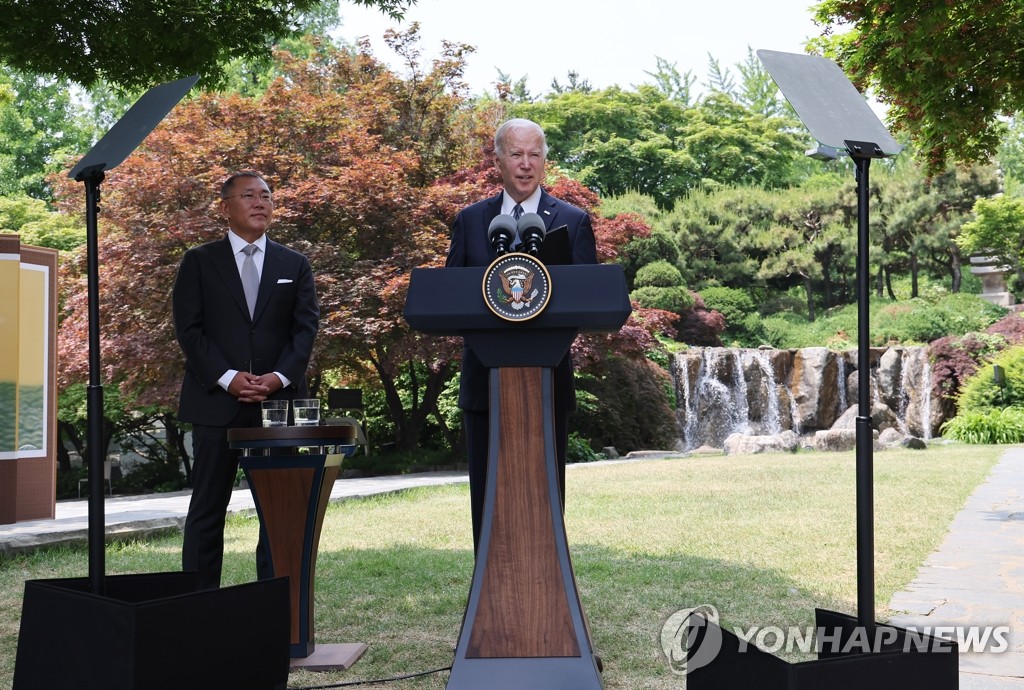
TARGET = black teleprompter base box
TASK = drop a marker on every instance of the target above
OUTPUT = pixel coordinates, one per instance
(905, 660)
(153, 632)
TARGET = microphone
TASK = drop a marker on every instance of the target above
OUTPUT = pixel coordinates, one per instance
(501, 233)
(532, 232)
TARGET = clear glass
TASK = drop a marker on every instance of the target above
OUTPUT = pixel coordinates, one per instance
(307, 411)
(275, 412)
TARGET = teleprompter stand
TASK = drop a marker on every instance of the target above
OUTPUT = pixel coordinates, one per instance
(524, 626)
(853, 653)
(151, 631)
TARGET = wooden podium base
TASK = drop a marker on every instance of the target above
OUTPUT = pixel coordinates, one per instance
(330, 657)
(524, 626)
(291, 493)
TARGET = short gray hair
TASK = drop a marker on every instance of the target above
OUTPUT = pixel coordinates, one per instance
(517, 123)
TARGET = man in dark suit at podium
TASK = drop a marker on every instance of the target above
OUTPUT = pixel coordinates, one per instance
(520, 152)
(246, 315)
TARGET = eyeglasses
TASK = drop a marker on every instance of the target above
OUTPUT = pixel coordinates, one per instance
(251, 198)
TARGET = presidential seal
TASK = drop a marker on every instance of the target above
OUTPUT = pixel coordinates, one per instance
(517, 287)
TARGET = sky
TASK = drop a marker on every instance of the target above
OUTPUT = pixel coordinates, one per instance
(606, 42)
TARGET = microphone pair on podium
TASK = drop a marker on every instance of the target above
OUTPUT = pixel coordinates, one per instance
(504, 227)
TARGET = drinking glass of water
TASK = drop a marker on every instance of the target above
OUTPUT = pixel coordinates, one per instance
(307, 411)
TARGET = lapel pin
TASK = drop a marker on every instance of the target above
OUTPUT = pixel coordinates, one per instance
(547, 213)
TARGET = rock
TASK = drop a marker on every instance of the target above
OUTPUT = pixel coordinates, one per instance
(914, 443)
(814, 388)
(890, 437)
(889, 376)
(839, 439)
(610, 453)
(743, 444)
(882, 418)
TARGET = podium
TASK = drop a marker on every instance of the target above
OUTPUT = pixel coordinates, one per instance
(291, 493)
(524, 625)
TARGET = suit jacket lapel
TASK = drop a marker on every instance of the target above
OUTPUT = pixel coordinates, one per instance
(224, 262)
(547, 209)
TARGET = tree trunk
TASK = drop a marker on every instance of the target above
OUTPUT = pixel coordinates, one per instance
(827, 281)
(67, 431)
(809, 289)
(913, 275)
(408, 425)
(955, 267)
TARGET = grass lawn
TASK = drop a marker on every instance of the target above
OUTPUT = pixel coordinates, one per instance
(765, 539)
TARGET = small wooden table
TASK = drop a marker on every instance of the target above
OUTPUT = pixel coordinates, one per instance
(291, 492)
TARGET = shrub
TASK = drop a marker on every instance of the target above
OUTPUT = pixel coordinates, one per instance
(397, 462)
(151, 477)
(658, 274)
(955, 359)
(1011, 327)
(732, 303)
(910, 322)
(700, 326)
(578, 450)
(643, 251)
(921, 321)
(674, 299)
(625, 404)
(992, 426)
(981, 393)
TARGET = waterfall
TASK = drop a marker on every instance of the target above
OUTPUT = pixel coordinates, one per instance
(720, 391)
(741, 403)
(690, 403)
(684, 401)
(772, 418)
(717, 404)
(841, 376)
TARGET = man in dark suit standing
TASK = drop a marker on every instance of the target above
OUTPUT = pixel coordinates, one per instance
(520, 152)
(245, 314)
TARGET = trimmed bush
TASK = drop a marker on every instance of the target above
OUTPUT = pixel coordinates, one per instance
(734, 304)
(658, 274)
(674, 299)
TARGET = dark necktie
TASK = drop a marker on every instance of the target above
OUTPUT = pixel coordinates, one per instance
(517, 243)
(250, 278)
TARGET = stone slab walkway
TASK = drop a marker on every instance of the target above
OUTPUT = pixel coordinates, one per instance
(976, 578)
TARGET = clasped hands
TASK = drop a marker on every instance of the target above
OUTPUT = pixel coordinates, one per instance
(250, 388)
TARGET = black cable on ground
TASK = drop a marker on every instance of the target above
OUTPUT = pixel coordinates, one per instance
(350, 683)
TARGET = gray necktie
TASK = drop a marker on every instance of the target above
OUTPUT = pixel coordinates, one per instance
(250, 278)
(517, 243)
